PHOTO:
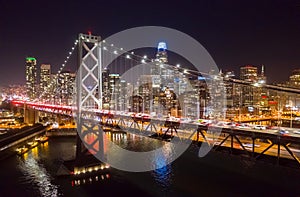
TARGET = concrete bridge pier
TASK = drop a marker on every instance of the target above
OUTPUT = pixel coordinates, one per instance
(31, 116)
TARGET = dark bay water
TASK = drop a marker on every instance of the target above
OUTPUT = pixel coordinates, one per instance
(214, 175)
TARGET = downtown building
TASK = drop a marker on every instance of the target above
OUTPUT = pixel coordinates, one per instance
(45, 80)
(65, 87)
(31, 77)
(114, 92)
(294, 79)
(292, 101)
(253, 97)
(162, 88)
(105, 88)
(145, 94)
(248, 96)
(233, 95)
(60, 89)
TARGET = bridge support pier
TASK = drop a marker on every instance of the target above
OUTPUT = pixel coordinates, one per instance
(31, 116)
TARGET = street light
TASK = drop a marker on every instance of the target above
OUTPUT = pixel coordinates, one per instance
(291, 122)
(278, 111)
(240, 105)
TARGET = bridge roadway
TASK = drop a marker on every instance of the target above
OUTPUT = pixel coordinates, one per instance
(68, 110)
(253, 142)
(293, 133)
(16, 136)
(273, 137)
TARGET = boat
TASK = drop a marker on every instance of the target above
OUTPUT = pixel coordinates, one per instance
(42, 139)
(32, 144)
(22, 150)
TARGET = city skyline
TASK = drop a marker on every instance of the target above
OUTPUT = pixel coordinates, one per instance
(235, 34)
(133, 98)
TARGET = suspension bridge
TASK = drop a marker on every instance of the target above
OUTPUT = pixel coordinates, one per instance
(161, 101)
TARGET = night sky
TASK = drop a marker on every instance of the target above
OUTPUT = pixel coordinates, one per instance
(235, 33)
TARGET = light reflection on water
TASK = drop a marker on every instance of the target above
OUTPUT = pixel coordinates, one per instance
(187, 177)
(134, 142)
(40, 180)
(163, 176)
(36, 174)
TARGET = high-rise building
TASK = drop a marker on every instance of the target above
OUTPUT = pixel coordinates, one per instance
(45, 80)
(65, 86)
(54, 87)
(248, 73)
(31, 77)
(105, 88)
(230, 89)
(262, 79)
(161, 54)
(164, 74)
(114, 86)
(252, 95)
(160, 60)
(295, 78)
(145, 91)
(294, 82)
(123, 96)
(249, 98)
(233, 92)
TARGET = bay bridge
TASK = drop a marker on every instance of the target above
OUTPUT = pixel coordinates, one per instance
(188, 115)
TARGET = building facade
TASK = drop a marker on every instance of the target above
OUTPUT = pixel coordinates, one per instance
(294, 79)
(249, 97)
(65, 87)
(31, 77)
(45, 80)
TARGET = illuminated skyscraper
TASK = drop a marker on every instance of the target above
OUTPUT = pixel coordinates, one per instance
(295, 78)
(66, 85)
(248, 73)
(145, 88)
(161, 58)
(31, 77)
(161, 54)
(45, 79)
(105, 88)
(249, 95)
(161, 69)
(114, 87)
(262, 79)
(157, 72)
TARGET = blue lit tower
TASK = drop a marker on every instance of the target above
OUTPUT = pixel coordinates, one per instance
(166, 72)
(161, 58)
(161, 55)
(163, 76)
(158, 80)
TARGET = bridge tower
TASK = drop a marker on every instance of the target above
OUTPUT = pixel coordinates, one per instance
(88, 91)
